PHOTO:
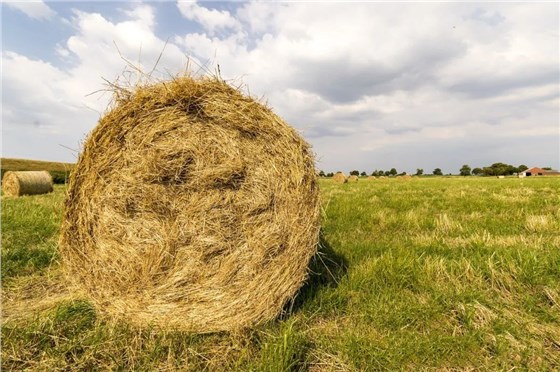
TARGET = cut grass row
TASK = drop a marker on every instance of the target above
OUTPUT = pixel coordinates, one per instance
(433, 273)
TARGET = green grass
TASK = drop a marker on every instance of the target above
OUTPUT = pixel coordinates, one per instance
(433, 273)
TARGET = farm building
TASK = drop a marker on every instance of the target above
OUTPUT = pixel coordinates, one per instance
(536, 171)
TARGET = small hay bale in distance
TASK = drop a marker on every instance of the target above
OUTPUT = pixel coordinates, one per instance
(340, 177)
(18, 183)
(353, 179)
(192, 207)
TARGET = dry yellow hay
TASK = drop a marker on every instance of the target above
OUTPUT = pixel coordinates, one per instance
(353, 179)
(191, 207)
(340, 177)
(372, 178)
(26, 183)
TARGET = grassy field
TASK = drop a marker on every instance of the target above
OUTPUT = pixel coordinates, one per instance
(435, 273)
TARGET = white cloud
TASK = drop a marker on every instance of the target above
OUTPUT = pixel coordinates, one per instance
(382, 76)
(371, 85)
(35, 9)
(211, 19)
(46, 105)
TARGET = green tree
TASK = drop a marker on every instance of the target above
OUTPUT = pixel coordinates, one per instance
(330, 174)
(355, 173)
(477, 171)
(419, 171)
(465, 170)
(499, 169)
(363, 174)
(522, 168)
(321, 174)
(437, 172)
(393, 172)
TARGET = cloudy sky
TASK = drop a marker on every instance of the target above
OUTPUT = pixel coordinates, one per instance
(370, 85)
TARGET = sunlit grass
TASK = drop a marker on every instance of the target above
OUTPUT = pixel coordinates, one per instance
(435, 273)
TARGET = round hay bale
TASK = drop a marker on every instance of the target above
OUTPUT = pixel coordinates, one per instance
(27, 183)
(340, 177)
(372, 178)
(191, 207)
(353, 179)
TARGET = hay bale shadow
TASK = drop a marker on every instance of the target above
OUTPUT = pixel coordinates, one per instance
(326, 268)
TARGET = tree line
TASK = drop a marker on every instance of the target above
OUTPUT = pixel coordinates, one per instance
(496, 169)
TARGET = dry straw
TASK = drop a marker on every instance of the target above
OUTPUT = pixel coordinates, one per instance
(353, 179)
(340, 177)
(191, 207)
(27, 183)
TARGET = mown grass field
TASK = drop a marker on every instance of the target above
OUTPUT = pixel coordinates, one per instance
(434, 273)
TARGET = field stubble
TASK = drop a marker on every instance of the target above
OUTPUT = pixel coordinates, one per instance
(442, 273)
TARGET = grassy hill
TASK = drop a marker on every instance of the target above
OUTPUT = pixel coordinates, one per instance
(438, 273)
(59, 171)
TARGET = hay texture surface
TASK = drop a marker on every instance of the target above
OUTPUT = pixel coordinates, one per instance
(27, 183)
(353, 179)
(340, 177)
(191, 207)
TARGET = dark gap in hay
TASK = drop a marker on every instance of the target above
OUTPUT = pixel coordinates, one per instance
(131, 208)
(233, 181)
(249, 134)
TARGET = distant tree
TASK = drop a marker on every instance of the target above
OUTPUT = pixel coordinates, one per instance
(437, 172)
(386, 173)
(363, 174)
(393, 172)
(477, 171)
(330, 174)
(419, 171)
(465, 170)
(547, 168)
(522, 168)
(499, 169)
(321, 174)
(355, 173)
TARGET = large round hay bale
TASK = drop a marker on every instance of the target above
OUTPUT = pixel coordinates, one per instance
(340, 177)
(191, 207)
(26, 183)
(353, 179)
